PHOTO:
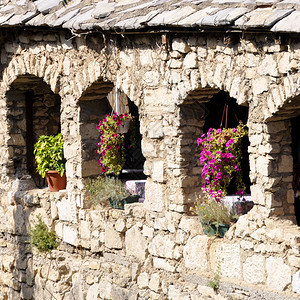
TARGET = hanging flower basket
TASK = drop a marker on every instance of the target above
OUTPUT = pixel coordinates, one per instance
(220, 159)
(111, 145)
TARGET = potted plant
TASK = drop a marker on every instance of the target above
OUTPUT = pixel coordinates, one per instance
(220, 159)
(215, 217)
(49, 157)
(111, 145)
(109, 190)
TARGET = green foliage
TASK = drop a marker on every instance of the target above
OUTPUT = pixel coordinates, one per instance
(215, 281)
(49, 154)
(213, 212)
(41, 237)
(101, 189)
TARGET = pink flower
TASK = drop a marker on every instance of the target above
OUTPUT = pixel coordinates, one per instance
(233, 130)
(126, 115)
(108, 148)
(219, 131)
(118, 123)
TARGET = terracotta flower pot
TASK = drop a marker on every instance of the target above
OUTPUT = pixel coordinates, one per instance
(55, 181)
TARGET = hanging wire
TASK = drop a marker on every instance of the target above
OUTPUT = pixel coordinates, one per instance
(225, 112)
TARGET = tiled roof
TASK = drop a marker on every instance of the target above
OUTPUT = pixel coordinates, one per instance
(129, 15)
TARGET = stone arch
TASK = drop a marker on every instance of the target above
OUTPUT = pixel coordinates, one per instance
(41, 66)
(95, 102)
(32, 109)
(194, 113)
(93, 106)
(274, 162)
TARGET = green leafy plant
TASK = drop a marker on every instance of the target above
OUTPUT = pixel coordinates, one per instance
(103, 190)
(215, 281)
(41, 237)
(111, 145)
(49, 154)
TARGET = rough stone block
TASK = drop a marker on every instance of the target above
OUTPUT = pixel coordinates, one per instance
(155, 130)
(285, 164)
(113, 239)
(190, 61)
(162, 246)
(84, 229)
(180, 46)
(135, 243)
(67, 210)
(70, 235)
(158, 171)
(93, 292)
(229, 256)
(154, 196)
(143, 280)
(154, 283)
(105, 288)
(296, 282)
(160, 263)
(195, 253)
(278, 273)
(148, 231)
(254, 269)
(120, 225)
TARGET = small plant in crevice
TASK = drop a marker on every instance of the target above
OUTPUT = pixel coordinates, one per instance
(41, 237)
(215, 281)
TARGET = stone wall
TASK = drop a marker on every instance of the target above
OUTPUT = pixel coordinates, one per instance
(161, 79)
(140, 254)
(152, 249)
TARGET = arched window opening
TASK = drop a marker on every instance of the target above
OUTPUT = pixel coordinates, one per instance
(295, 123)
(100, 99)
(33, 110)
(134, 164)
(218, 117)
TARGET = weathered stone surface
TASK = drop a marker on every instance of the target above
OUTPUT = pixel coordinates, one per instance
(180, 46)
(195, 253)
(163, 264)
(162, 246)
(93, 292)
(154, 283)
(278, 273)
(229, 257)
(296, 282)
(105, 288)
(143, 280)
(66, 210)
(254, 269)
(154, 196)
(70, 235)
(113, 239)
(135, 243)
